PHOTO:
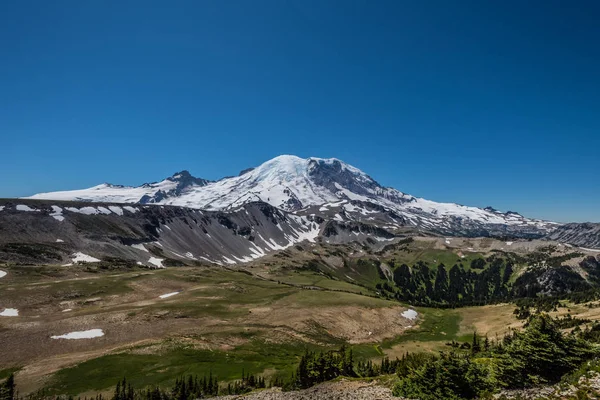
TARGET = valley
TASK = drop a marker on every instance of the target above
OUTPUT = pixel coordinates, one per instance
(159, 324)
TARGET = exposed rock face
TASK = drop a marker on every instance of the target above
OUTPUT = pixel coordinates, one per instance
(50, 232)
(586, 234)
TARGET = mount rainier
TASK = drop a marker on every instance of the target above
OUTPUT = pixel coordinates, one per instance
(300, 185)
(277, 206)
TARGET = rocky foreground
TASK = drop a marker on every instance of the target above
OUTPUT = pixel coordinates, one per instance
(349, 390)
(587, 387)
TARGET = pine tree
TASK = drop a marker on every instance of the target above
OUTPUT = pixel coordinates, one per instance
(475, 345)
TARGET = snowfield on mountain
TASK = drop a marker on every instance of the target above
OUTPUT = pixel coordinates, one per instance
(294, 184)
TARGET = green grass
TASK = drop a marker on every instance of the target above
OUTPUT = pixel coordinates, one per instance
(162, 369)
(5, 373)
(256, 356)
(437, 325)
(318, 298)
(308, 278)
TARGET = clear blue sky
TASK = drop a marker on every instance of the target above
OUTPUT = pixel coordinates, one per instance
(476, 102)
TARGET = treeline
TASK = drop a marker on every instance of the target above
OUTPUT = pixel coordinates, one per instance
(317, 367)
(8, 390)
(248, 383)
(400, 366)
(453, 287)
(540, 354)
(185, 388)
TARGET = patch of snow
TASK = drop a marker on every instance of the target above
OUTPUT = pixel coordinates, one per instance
(57, 213)
(9, 312)
(103, 210)
(83, 210)
(59, 241)
(23, 207)
(89, 334)
(2, 208)
(139, 263)
(509, 243)
(156, 261)
(67, 310)
(139, 246)
(81, 257)
(410, 314)
(164, 296)
(228, 260)
(117, 210)
(2, 273)
(592, 250)
(132, 210)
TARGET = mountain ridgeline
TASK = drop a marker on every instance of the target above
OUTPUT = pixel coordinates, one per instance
(299, 185)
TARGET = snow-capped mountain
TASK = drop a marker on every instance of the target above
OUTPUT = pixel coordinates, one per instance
(296, 185)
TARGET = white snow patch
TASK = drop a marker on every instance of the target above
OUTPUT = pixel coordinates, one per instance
(23, 207)
(139, 263)
(57, 213)
(59, 241)
(103, 210)
(164, 296)
(67, 310)
(2, 274)
(2, 208)
(83, 210)
(81, 257)
(116, 210)
(139, 246)
(156, 261)
(410, 314)
(132, 210)
(89, 334)
(9, 312)
(509, 243)
(592, 250)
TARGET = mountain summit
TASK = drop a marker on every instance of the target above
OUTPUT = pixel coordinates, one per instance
(295, 184)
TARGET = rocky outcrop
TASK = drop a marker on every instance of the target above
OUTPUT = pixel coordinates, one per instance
(585, 234)
(349, 390)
